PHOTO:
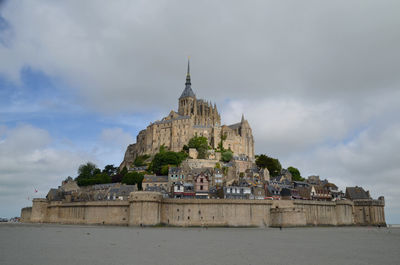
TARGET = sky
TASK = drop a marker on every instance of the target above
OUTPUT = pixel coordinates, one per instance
(318, 81)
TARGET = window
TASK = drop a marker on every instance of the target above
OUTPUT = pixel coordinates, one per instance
(201, 187)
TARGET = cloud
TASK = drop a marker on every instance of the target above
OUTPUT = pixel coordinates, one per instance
(112, 145)
(369, 160)
(28, 162)
(131, 54)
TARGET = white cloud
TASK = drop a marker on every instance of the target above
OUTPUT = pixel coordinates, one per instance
(369, 160)
(28, 162)
(112, 145)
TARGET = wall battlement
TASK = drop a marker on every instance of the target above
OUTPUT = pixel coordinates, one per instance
(149, 208)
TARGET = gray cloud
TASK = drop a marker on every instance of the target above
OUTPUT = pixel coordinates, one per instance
(119, 55)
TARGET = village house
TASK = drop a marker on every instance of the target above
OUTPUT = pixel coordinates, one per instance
(201, 185)
(155, 181)
(175, 174)
(357, 193)
(178, 190)
(218, 177)
(273, 192)
(188, 190)
(304, 192)
(319, 193)
(240, 190)
(120, 193)
(258, 192)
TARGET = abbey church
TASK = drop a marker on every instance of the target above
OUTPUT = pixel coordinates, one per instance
(194, 117)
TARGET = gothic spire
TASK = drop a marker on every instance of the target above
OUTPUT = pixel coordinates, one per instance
(242, 118)
(188, 83)
(188, 92)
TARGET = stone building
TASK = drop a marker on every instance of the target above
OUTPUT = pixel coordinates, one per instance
(194, 117)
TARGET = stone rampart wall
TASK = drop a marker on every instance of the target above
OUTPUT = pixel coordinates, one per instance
(369, 212)
(215, 212)
(26, 214)
(327, 213)
(149, 208)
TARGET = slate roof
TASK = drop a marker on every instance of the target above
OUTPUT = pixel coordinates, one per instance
(124, 190)
(175, 170)
(235, 126)
(356, 193)
(181, 117)
(54, 195)
(187, 92)
(149, 178)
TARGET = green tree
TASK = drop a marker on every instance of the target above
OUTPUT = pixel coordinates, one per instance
(164, 158)
(87, 173)
(200, 143)
(221, 143)
(139, 181)
(225, 170)
(296, 176)
(272, 164)
(124, 171)
(141, 160)
(130, 178)
(133, 178)
(218, 165)
(110, 170)
(88, 170)
(226, 156)
(164, 170)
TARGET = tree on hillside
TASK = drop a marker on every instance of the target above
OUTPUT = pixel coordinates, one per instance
(296, 176)
(165, 158)
(88, 170)
(221, 143)
(133, 178)
(89, 174)
(140, 160)
(139, 181)
(200, 143)
(226, 156)
(110, 170)
(272, 164)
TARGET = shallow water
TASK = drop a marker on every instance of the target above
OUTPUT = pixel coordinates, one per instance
(73, 244)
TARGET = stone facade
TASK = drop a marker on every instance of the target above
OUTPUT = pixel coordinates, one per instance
(194, 117)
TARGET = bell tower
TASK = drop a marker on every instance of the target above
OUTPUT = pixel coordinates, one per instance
(187, 101)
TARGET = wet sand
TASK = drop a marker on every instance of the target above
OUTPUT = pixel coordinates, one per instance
(68, 244)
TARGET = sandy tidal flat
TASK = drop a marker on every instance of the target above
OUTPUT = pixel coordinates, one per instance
(66, 244)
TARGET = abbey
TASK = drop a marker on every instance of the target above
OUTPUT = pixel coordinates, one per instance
(194, 117)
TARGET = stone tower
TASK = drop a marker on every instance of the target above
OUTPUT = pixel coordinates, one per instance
(202, 112)
(187, 101)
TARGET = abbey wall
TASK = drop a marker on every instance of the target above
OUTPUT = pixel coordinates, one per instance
(149, 208)
(194, 117)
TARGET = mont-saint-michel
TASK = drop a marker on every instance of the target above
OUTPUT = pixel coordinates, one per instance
(189, 170)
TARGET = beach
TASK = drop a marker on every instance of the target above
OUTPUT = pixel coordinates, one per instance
(74, 244)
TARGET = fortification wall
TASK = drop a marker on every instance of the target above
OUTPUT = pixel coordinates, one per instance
(369, 212)
(26, 214)
(149, 208)
(214, 212)
(99, 212)
(326, 213)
